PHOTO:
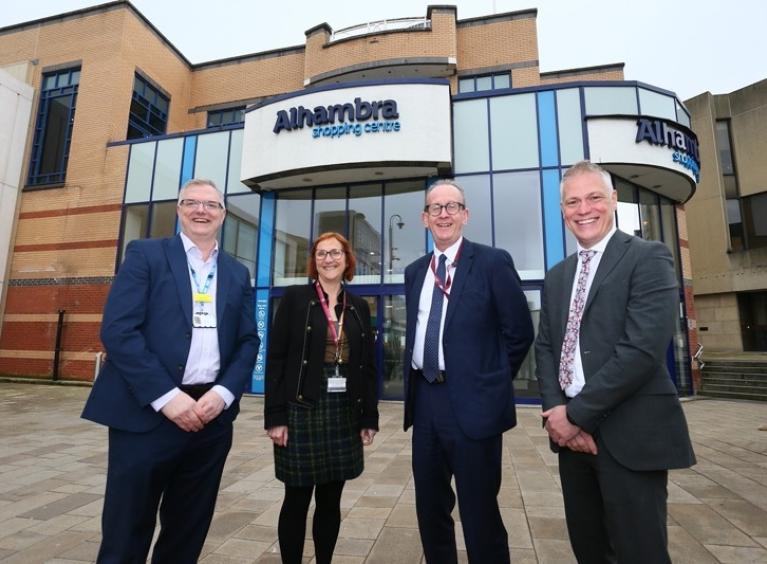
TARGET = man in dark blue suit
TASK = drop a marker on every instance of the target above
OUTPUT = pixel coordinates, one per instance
(468, 331)
(181, 343)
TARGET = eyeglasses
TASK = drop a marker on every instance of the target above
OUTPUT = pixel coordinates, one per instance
(209, 205)
(435, 210)
(332, 253)
(592, 200)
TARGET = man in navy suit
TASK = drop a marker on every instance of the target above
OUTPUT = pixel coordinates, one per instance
(468, 331)
(610, 407)
(181, 343)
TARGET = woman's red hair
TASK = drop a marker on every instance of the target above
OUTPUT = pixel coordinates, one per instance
(351, 260)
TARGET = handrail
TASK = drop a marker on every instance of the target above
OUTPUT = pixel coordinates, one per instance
(696, 357)
(380, 26)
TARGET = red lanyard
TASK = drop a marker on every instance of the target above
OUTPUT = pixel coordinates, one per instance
(445, 286)
(336, 335)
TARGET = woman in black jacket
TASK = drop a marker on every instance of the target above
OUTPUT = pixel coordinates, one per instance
(321, 401)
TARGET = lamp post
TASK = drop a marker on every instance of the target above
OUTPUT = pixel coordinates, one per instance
(400, 225)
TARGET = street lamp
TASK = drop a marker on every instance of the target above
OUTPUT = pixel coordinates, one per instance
(400, 225)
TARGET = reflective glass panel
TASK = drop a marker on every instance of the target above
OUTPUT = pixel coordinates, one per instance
(480, 226)
(210, 160)
(570, 125)
(470, 142)
(501, 81)
(135, 222)
(403, 204)
(139, 183)
(466, 85)
(649, 214)
(526, 384)
(167, 170)
(163, 219)
(241, 229)
(484, 83)
(394, 319)
(514, 132)
(681, 115)
(329, 211)
(233, 184)
(365, 232)
(291, 237)
(607, 100)
(656, 105)
(518, 222)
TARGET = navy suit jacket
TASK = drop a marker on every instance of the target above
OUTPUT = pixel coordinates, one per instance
(147, 332)
(486, 336)
(628, 400)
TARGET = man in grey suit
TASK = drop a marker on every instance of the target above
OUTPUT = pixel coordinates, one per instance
(609, 405)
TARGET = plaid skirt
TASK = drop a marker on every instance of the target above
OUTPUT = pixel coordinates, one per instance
(324, 443)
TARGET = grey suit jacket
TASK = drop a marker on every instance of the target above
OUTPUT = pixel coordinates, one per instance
(629, 401)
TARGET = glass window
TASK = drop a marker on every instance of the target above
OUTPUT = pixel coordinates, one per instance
(518, 220)
(501, 81)
(627, 212)
(656, 105)
(163, 219)
(329, 211)
(484, 83)
(570, 125)
(403, 203)
(752, 307)
(480, 225)
(365, 233)
(608, 100)
(470, 141)
(735, 223)
(229, 116)
(148, 110)
(514, 131)
(394, 319)
(135, 223)
(466, 85)
(240, 231)
(681, 114)
(167, 170)
(649, 214)
(723, 145)
(755, 215)
(291, 237)
(526, 383)
(210, 159)
(233, 184)
(53, 130)
(139, 184)
(668, 219)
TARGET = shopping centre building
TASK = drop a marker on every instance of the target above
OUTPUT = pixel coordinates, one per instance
(343, 133)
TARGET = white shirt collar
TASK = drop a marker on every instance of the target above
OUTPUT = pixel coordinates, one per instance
(450, 252)
(602, 245)
(189, 245)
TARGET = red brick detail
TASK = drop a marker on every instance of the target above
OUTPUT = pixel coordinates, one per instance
(26, 367)
(84, 298)
(71, 211)
(77, 370)
(31, 336)
(107, 243)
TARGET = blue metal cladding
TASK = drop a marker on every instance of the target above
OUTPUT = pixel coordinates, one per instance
(552, 218)
(547, 129)
(187, 161)
(265, 239)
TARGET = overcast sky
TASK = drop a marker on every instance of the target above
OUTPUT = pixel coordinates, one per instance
(687, 46)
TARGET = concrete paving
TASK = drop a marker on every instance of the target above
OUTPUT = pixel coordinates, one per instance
(52, 468)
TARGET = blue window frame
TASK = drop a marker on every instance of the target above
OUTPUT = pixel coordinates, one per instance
(229, 116)
(480, 83)
(148, 110)
(53, 131)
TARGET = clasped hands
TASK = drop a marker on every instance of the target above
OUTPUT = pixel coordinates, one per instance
(191, 415)
(565, 434)
(279, 435)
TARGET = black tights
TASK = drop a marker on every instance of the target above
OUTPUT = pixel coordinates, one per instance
(327, 520)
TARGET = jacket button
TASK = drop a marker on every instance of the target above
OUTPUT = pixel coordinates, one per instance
(300, 396)
(306, 362)
(180, 367)
(308, 328)
(188, 335)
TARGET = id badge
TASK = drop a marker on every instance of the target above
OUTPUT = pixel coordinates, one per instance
(336, 385)
(203, 320)
(201, 298)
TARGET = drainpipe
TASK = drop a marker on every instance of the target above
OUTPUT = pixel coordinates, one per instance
(57, 349)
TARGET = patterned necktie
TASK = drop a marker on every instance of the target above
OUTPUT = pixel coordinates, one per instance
(567, 360)
(431, 340)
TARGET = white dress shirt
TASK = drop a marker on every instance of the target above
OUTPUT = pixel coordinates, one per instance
(578, 378)
(424, 305)
(204, 360)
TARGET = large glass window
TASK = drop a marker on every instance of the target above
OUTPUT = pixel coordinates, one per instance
(752, 307)
(365, 233)
(518, 222)
(233, 184)
(570, 126)
(329, 211)
(470, 140)
(138, 187)
(53, 130)
(480, 226)
(141, 221)
(610, 100)
(649, 213)
(730, 183)
(755, 220)
(484, 82)
(163, 223)
(148, 110)
(211, 157)
(406, 241)
(656, 104)
(291, 237)
(229, 116)
(526, 383)
(167, 170)
(394, 319)
(514, 132)
(240, 232)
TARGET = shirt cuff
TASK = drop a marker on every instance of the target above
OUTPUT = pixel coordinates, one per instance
(225, 394)
(163, 400)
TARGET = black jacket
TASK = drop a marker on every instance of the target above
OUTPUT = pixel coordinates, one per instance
(297, 350)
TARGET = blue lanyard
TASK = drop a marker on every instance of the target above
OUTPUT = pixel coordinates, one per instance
(208, 280)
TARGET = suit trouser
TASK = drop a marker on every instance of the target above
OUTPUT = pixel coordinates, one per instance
(184, 469)
(614, 514)
(441, 450)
